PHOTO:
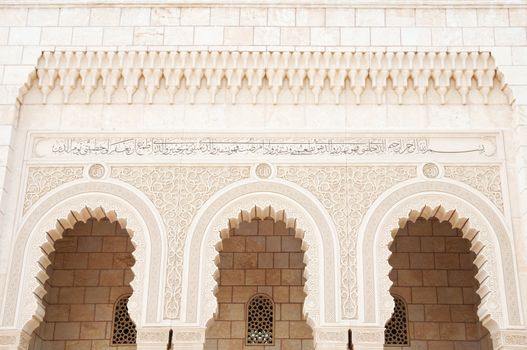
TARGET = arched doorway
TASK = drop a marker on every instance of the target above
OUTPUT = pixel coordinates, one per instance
(260, 290)
(434, 288)
(88, 289)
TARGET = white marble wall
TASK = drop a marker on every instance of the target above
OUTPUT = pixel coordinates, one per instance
(26, 30)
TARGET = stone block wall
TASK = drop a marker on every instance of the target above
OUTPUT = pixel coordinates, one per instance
(433, 272)
(261, 257)
(90, 270)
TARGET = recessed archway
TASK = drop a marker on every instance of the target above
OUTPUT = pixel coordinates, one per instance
(321, 305)
(260, 257)
(60, 210)
(464, 209)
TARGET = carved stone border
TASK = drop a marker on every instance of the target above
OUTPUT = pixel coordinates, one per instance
(53, 214)
(467, 210)
(322, 302)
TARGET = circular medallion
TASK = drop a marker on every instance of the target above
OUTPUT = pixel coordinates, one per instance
(431, 170)
(96, 171)
(263, 171)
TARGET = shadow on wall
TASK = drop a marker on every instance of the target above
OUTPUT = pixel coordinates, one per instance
(88, 290)
(433, 273)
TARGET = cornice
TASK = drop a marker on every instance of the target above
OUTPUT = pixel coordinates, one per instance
(271, 3)
(302, 76)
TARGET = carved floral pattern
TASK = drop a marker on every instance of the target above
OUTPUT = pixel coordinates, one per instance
(347, 193)
(485, 179)
(41, 180)
(178, 192)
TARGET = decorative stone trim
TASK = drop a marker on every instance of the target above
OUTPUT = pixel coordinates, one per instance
(319, 73)
(480, 222)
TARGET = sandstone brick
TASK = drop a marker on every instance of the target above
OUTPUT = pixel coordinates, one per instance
(291, 344)
(232, 311)
(256, 244)
(447, 261)
(93, 330)
(226, 260)
(265, 260)
(232, 277)
(103, 312)
(437, 313)
(462, 278)
(82, 312)
(291, 244)
(281, 294)
(281, 329)
(67, 330)
(230, 344)
(280, 229)
(297, 294)
(77, 345)
(449, 295)
(464, 313)
(71, 295)
(409, 278)
(165, 16)
(440, 345)
(245, 260)
(111, 278)
(104, 227)
(300, 330)
(421, 260)
(242, 294)
(75, 260)
(66, 244)
(62, 278)
(224, 294)
(266, 227)
(238, 329)
(115, 244)
(281, 260)
(219, 329)
(408, 244)
(273, 277)
(123, 261)
(433, 244)
(117, 292)
(296, 260)
(100, 260)
(97, 295)
(273, 244)
(424, 295)
(426, 330)
(457, 245)
(234, 244)
(86, 278)
(416, 312)
(255, 277)
(291, 277)
(452, 331)
(435, 278)
(292, 312)
(56, 313)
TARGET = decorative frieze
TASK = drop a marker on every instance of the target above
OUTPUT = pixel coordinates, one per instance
(263, 77)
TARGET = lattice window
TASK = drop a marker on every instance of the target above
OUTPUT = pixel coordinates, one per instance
(396, 329)
(260, 320)
(124, 331)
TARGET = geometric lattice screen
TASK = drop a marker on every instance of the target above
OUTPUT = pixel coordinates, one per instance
(260, 316)
(124, 331)
(396, 329)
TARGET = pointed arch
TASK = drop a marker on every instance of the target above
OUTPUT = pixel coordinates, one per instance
(225, 208)
(466, 209)
(60, 210)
